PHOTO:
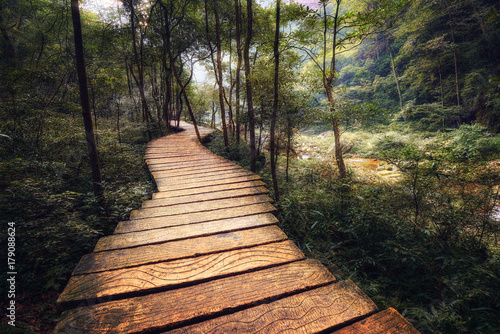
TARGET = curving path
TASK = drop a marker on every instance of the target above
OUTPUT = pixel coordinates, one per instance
(205, 256)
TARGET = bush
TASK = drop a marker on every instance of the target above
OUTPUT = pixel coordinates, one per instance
(421, 245)
(471, 142)
(48, 195)
(431, 117)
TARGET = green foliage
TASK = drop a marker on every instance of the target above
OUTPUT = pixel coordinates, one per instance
(45, 191)
(443, 284)
(472, 143)
(426, 245)
(431, 117)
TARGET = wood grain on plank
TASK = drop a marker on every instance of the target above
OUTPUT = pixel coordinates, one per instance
(201, 155)
(236, 193)
(131, 257)
(192, 218)
(208, 189)
(114, 284)
(385, 322)
(135, 239)
(187, 149)
(172, 169)
(172, 308)
(309, 312)
(187, 165)
(171, 185)
(178, 161)
(191, 181)
(215, 204)
(181, 173)
(234, 171)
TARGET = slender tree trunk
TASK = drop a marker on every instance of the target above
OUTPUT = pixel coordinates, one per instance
(84, 95)
(288, 143)
(393, 65)
(118, 123)
(248, 81)
(94, 111)
(11, 51)
(176, 74)
(140, 70)
(219, 74)
(454, 47)
(155, 92)
(129, 85)
(167, 91)
(238, 67)
(275, 102)
(328, 77)
(441, 82)
(229, 101)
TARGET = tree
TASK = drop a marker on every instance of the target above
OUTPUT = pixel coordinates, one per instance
(218, 70)
(237, 7)
(84, 94)
(249, 88)
(168, 30)
(342, 30)
(139, 59)
(276, 53)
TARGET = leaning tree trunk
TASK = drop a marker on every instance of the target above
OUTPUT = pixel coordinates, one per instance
(84, 95)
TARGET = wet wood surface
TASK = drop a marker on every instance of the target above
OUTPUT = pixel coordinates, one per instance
(205, 255)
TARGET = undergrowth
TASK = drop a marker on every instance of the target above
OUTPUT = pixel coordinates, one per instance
(45, 190)
(425, 245)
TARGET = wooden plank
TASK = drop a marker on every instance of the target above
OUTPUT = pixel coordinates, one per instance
(189, 180)
(208, 189)
(182, 161)
(141, 238)
(200, 170)
(385, 322)
(235, 193)
(131, 257)
(116, 284)
(173, 308)
(192, 218)
(199, 207)
(180, 154)
(313, 311)
(171, 185)
(189, 149)
(234, 171)
(173, 169)
(187, 164)
(201, 155)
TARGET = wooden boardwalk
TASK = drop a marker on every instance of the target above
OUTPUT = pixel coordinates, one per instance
(205, 256)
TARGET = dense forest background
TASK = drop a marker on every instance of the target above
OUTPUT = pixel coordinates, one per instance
(411, 86)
